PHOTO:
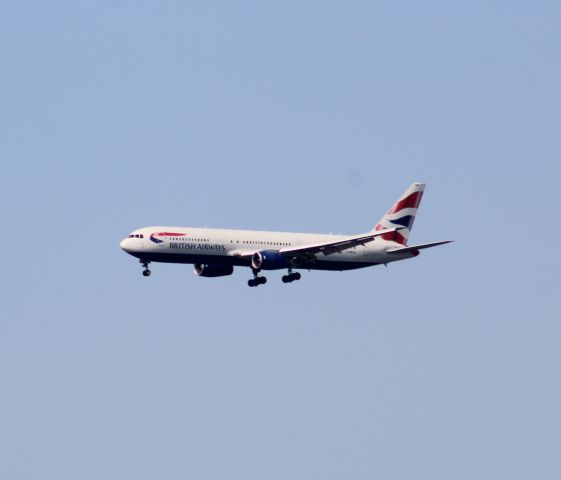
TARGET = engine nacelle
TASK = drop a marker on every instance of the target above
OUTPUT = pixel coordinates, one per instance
(269, 260)
(213, 270)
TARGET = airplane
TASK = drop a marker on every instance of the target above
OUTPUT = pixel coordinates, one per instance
(215, 252)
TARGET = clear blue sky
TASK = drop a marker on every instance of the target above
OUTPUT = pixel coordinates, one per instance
(305, 116)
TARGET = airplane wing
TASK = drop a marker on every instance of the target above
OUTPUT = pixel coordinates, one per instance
(305, 253)
(337, 246)
(415, 248)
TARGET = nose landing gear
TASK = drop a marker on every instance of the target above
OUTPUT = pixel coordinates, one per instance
(146, 272)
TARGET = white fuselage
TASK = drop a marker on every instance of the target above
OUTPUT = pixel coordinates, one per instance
(234, 247)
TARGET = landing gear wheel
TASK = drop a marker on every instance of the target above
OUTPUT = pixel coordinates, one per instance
(256, 281)
(146, 272)
(291, 277)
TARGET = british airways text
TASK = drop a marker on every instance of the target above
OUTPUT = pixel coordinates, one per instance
(197, 246)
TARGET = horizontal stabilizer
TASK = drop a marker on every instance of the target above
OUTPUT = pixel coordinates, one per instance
(415, 248)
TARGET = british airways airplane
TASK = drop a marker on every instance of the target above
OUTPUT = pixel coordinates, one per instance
(215, 252)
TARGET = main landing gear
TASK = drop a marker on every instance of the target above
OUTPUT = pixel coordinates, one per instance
(291, 277)
(256, 280)
(146, 272)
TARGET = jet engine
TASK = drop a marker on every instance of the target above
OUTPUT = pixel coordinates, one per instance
(213, 270)
(269, 260)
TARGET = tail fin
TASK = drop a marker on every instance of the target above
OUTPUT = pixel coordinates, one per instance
(402, 214)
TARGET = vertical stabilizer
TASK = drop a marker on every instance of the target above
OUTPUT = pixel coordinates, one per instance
(402, 214)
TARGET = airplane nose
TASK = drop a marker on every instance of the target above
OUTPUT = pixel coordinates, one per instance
(125, 245)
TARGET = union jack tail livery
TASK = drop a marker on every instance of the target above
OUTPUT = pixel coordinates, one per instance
(402, 214)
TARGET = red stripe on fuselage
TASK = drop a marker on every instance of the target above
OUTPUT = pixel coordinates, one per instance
(169, 234)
